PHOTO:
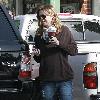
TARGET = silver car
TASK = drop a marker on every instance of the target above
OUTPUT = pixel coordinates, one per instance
(86, 65)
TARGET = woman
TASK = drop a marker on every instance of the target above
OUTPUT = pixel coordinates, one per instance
(55, 73)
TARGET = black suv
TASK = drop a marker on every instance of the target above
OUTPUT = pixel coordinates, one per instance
(15, 72)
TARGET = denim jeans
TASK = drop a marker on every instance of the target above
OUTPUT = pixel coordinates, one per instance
(64, 90)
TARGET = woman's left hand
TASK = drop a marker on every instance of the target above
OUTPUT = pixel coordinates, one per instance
(36, 51)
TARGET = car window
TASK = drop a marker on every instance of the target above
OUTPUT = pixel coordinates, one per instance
(75, 28)
(87, 30)
(17, 23)
(92, 31)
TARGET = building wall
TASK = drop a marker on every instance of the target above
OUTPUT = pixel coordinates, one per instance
(96, 7)
(19, 7)
(87, 6)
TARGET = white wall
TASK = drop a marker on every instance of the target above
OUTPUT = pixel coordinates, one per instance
(19, 7)
(96, 7)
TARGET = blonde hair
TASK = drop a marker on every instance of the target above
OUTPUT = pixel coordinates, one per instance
(51, 11)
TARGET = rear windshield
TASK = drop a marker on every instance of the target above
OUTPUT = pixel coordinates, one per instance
(84, 30)
(10, 39)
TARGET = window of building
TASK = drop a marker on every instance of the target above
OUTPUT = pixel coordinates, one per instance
(71, 6)
(29, 6)
(10, 5)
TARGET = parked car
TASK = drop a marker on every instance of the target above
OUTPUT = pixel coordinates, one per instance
(15, 71)
(86, 65)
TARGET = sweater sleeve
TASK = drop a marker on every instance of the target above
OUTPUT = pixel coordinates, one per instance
(37, 40)
(67, 42)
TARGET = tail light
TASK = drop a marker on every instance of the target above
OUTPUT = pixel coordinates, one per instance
(90, 76)
(25, 70)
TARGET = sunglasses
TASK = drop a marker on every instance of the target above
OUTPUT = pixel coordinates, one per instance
(42, 16)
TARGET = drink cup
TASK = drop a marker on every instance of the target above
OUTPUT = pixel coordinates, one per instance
(50, 34)
(51, 31)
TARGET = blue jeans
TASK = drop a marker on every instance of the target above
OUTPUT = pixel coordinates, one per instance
(64, 89)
